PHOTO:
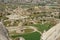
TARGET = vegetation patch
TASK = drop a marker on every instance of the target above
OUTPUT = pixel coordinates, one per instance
(28, 30)
(42, 27)
(29, 36)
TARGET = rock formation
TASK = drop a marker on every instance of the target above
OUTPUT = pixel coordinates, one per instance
(3, 32)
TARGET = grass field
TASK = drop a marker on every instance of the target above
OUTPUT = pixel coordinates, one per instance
(29, 36)
(42, 27)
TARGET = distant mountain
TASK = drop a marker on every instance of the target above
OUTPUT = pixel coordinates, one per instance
(20, 1)
(32, 1)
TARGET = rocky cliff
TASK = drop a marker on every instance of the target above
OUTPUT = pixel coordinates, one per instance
(3, 32)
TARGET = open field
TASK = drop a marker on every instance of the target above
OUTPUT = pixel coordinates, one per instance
(29, 36)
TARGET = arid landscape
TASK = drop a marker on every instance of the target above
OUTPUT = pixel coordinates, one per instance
(29, 19)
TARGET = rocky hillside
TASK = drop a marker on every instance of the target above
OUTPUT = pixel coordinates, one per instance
(3, 32)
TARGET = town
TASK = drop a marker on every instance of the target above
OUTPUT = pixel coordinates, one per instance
(31, 21)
